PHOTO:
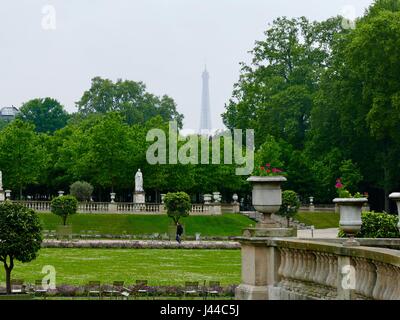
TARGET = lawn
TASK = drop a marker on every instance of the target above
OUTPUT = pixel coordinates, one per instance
(159, 267)
(320, 220)
(117, 224)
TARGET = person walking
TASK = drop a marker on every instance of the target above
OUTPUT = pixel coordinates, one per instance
(179, 232)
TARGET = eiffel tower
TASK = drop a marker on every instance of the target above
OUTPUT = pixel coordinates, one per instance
(205, 117)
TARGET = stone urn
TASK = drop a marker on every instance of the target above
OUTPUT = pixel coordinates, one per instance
(235, 198)
(217, 197)
(396, 197)
(350, 217)
(267, 198)
(207, 198)
(112, 196)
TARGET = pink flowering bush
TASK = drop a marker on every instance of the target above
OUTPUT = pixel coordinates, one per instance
(268, 170)
(344, 193)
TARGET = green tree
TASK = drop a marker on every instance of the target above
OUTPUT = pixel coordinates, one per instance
(109, 150)
(64, 206)
(270, 152)
(47, 114)
(21, 236)
(178, 205)
(274, 93)
(81, 190)
(3, 124)
(130, 99)
(22, 155)
(290, 205)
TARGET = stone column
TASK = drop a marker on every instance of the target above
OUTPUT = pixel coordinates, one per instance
(260, 264)
(312, 207)
(346, 279)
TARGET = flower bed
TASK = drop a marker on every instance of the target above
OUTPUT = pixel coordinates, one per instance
(137, 244)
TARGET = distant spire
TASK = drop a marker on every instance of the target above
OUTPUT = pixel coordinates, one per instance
(205, 117)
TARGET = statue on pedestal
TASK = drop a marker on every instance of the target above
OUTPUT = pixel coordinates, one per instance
(138, 196)
(139, 181)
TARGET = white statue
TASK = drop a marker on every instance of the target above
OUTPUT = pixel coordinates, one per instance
(139, 181)
(1, 180)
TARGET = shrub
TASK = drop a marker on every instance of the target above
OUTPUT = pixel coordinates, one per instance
(290, 205)
(178, 205)
(377, 225)
(64, 206)
(81, 190)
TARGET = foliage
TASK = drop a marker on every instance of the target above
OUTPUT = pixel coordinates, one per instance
(377, 225)
(330, 98)
(128, 98)
(3, 124)
(268, 157)
(20, 236)
(81, 190)
(47, 114)
(178, 205)
(64, 206)
(290, 204)
(344, 193)
(22, 155)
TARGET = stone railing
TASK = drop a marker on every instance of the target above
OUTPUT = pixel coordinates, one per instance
(291, 269)
(42, 206)
(89, 207)
(122, 207)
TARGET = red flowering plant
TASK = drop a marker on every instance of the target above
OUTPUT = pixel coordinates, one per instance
(269, 171)
(344, 193)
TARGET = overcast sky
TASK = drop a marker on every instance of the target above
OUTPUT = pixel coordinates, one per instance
(164, 43)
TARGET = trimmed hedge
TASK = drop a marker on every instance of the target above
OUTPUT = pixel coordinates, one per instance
(377, 225)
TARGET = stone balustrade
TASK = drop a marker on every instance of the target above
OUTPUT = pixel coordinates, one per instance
(291, 269)
(41, 206)
(122, 207)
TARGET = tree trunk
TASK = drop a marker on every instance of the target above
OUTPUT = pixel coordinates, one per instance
(8, 274)
(20, 193)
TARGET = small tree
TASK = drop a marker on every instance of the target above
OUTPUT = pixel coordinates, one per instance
(81, 190)
(290, 205)
(178, 205)
(20, 236)
(64, 206)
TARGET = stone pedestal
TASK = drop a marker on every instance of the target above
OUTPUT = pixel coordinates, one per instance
(113, 207)
(259, 272)
(236, 207)
(2, 196)
(216, 208)
(139, 197)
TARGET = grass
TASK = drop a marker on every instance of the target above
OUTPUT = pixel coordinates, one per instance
(320, 220)
(159, 267)
(117, 224)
